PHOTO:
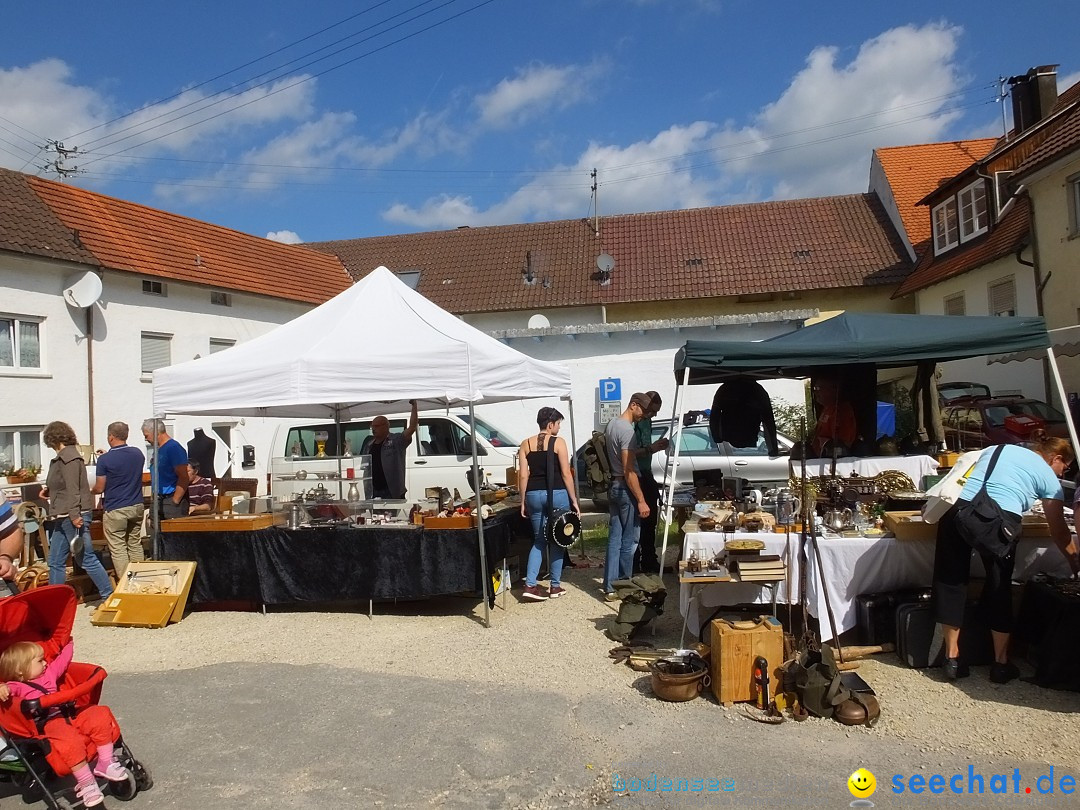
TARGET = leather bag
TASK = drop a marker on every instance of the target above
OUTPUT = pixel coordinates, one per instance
(983, 525)
(561, 526)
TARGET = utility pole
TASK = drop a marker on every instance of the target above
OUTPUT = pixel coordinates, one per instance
(596, 205)
(58, 165)
(1002, 95)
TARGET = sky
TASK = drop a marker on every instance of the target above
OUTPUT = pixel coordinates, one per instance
(339, 120)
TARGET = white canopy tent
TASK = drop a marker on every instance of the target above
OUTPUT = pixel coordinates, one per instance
(367, 351)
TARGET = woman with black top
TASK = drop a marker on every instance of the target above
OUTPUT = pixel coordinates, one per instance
(532, 468)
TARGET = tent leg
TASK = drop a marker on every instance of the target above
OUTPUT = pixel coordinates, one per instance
(1061, 393)
(486, 583)
(573, 465)
(668, 506)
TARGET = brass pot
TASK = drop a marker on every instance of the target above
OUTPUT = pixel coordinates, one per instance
(677, 678)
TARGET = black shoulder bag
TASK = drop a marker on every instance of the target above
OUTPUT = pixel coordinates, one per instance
(561, 526)
(983, 525)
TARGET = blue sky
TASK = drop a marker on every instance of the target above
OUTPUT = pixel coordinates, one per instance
(293, 120)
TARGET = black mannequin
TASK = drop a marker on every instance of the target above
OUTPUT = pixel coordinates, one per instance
(201, 448)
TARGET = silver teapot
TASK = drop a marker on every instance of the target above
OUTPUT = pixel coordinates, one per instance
(837, 519)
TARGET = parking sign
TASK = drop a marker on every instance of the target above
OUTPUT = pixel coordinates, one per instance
(611, 389)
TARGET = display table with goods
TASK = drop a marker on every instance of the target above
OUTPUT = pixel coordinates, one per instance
(339, 561)
(914, 467)
(852, 566)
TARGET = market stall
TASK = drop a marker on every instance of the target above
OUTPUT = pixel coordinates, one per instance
(368, 351)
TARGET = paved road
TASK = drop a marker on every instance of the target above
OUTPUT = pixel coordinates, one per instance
(247, 737)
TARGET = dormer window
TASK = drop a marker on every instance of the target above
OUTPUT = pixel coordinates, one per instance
(960, 218)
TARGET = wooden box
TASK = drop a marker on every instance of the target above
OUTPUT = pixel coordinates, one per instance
(223, 523)
(148, 594)
(1035, 526)
(511, 476)
(910, 526)
(734, 646)
(454, 522)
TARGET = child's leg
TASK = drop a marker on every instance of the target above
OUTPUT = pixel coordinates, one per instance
(98, 723)
(86, 786)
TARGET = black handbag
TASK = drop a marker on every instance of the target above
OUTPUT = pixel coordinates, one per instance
(983, 525)
(561, 526)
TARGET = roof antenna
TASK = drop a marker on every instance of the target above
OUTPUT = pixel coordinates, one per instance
(596, 205)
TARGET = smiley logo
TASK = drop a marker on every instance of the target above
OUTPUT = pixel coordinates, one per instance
(862, 784)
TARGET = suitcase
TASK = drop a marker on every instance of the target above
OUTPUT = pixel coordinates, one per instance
(735, 645)
(1049, 622)
(920, 643)
(876, 613)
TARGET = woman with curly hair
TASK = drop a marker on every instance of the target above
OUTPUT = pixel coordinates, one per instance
(70, 502)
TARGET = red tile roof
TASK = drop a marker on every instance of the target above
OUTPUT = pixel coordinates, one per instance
(1065, 139)
(1007, 236)
(122, 235)
(915, 171)
(824, 243)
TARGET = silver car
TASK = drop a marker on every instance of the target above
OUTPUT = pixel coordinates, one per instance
(699, 453)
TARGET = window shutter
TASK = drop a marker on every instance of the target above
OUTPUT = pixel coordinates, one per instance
(1003, 297)
(955, 305)
(155, 352)
(220, 345)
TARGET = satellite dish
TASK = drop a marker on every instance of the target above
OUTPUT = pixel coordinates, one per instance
(604, 263)
(539, 322)
(82, 290)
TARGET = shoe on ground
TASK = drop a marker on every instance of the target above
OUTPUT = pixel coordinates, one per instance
(1003, 673)
(533, 593)
(555, 592)
(114, 773)
(90, 795)
(611, 596)
(650, 566)
(952, 669)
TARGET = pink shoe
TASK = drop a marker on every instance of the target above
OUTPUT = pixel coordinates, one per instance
(90, 795)
(114, 773)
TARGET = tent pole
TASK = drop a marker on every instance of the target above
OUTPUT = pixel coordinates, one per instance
(668, 506)
(1064, 399)
(573, 467)
(155, 502)
(479, 518)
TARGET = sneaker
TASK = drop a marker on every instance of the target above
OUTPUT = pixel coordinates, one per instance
(555, 592)
(1003, 673)
(534, 593)
(952, 669)
(90, 795)
(611, 596)
(114, 773)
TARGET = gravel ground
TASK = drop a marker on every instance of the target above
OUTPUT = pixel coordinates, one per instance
(558, 646)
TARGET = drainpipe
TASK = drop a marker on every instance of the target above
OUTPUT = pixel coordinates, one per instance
(90, 370)
(1040, 287)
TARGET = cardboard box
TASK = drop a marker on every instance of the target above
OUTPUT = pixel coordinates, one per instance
(148, 594)
(910, 526)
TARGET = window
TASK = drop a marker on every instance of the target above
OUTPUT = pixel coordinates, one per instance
(954, 304)
(20, 342)
(438, 437)
(946, 227)
(1072, 186)
(1002, 295)
(220, 344)
(154, 287)
(974, 218)
(20, 447)
(410, 277)
(156, 351)
(222, 299)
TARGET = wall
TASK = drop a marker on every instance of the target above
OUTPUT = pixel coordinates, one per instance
(1027, 376)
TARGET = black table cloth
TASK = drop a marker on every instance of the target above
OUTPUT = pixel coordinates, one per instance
(277, 566)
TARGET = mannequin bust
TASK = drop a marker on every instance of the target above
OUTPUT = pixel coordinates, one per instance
(202, 448)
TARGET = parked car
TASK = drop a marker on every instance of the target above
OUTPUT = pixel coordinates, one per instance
(948, 392)
(699, 453)
(440, 454)
(976, 422)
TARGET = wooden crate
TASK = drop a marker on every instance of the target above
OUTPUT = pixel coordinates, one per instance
(1035, 526)
(910, 526)
(455, 522)
(130, 606)
(223, 523)
(734, 646)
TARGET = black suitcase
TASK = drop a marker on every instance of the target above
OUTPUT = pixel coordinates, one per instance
(1049, 622)
(920, 644)
(876, 613)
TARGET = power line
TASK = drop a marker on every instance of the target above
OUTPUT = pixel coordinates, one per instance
(302, 80)
(234, 70)
(35, 138)
(173, 113)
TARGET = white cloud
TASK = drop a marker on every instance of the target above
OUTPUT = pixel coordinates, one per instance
(285, 237)
(534, 91)
(1067, 81)
(815, 139)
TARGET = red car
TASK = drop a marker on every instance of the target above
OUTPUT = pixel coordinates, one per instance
(976, 422)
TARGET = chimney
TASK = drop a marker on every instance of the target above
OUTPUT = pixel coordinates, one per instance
(1033, 96)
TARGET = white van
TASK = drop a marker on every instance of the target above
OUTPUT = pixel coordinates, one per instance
(440, 454)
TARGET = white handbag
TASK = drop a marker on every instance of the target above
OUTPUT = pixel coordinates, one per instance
(947, 491)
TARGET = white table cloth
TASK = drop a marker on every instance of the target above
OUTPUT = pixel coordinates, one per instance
(853, 566)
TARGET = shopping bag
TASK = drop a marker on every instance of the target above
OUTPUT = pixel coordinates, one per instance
(947, 491)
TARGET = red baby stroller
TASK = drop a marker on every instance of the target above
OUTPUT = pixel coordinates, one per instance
(45, 615)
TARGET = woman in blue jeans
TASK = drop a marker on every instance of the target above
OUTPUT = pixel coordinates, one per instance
(70, 503)
(533, 469)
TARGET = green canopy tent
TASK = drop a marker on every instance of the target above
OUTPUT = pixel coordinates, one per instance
(873, 340)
